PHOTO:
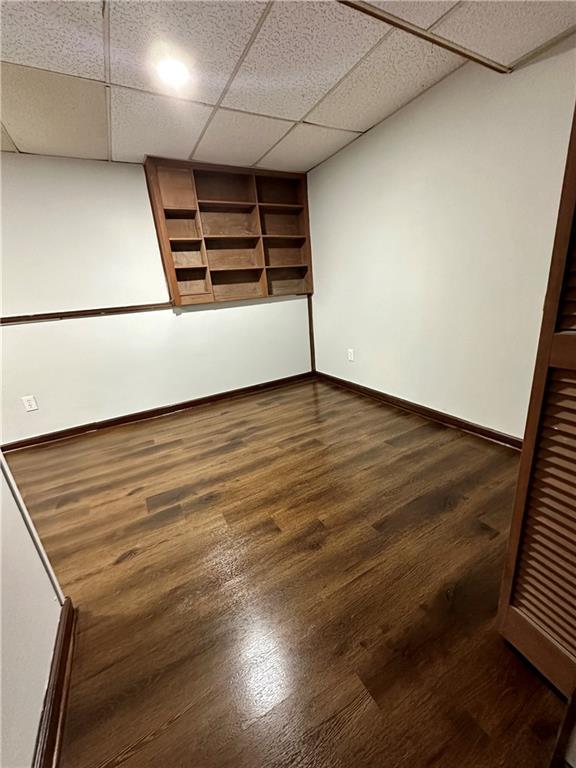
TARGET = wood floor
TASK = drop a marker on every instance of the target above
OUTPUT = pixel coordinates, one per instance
(299, 578)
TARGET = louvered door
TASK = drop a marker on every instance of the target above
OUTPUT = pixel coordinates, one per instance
(538, 599)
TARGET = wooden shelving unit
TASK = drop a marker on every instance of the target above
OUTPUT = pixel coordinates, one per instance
(227, 233)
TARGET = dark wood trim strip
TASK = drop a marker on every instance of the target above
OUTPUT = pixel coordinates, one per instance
(428, 413)
(541, 650)
(567, 727)
(423, 34)
(49, 741)
(153, 413)
(42, 317)
(311, 333)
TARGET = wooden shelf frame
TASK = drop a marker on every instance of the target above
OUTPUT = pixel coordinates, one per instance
(228, 233)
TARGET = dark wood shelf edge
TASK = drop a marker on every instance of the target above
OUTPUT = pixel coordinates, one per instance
(252, 268)
(232, 237)
(286, 266)
(285, 237)
(243, 170)
(230, 203)
(287, 207)
(52, 720)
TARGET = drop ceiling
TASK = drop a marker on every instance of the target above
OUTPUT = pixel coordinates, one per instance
(282, 84)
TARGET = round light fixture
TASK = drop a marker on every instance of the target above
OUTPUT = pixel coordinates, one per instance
(172, 72)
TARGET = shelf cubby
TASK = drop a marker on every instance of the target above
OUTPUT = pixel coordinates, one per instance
(228, 285)
(192, 281)
(234, 253)
(284, 190)
(176, 188)
(285, 251)
(224, 186)
(285, 281)
(182, 228)
(229, 234)
(187, 254)
(219, 220)
(282, 221)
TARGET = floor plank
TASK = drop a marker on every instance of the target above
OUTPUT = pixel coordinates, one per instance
(300, 577)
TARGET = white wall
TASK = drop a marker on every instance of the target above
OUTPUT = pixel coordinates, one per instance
(432, 237)
(30, 614)
(97, 368)
(78, 234)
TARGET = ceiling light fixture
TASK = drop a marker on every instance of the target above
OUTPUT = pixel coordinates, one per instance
(173, 72)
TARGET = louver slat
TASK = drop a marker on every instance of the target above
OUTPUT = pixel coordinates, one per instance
(545, 585)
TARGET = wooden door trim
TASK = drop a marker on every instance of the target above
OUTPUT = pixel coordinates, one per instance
(52, 720)
(567, 727)
(562, 350)
(545, 345)
(540, 649)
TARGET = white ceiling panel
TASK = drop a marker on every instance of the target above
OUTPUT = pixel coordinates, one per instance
(59, 36)
(52, 114)
(149, 124)
(423, 13)
(402, 67)
(506, 30)
(301, 51)
(305, 147)
(238, 138)
(7, 143)
(209, 37)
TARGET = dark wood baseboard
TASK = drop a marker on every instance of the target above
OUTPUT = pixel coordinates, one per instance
(152, 413)
(49, 741)
(427, 413)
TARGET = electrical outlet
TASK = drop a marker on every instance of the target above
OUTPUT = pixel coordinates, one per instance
(30, 403)
(350, 355)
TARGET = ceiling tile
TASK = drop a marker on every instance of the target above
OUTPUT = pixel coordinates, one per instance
(504, 31)
(51, 114)
(302, 50)
(59, 36)
(305, 147)
(7, 143)
(402, 67)
(239, 138)
(423, 13)
(150, 124)
(208, 36)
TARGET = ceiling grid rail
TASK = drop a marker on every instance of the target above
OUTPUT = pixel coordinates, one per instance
(424, 34)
